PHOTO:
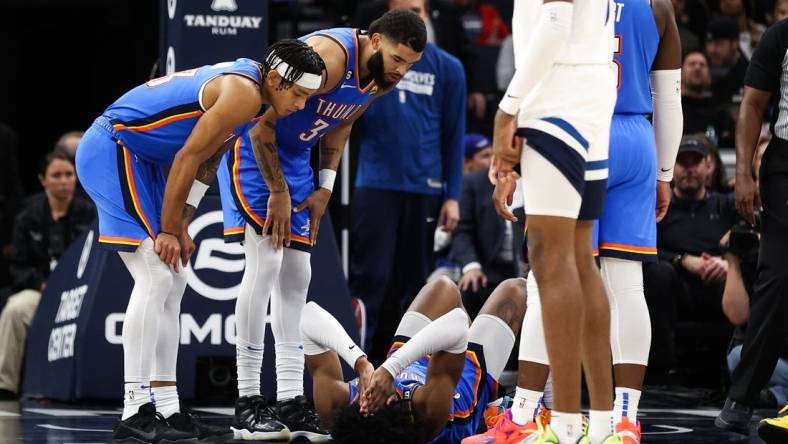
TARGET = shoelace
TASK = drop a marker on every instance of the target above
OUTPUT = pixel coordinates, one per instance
(261, 407)
(308, 415)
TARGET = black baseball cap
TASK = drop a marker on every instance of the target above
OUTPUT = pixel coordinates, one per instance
(693, 144)
(722, 28)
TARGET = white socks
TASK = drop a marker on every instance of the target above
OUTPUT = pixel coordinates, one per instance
(136, 394)
(525, 406)
(289, 370)
(626, 404)
(166, 400)
(568, 427)
(249, 361)
(600, 425)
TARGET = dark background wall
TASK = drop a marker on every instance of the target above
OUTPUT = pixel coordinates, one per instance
(63, 62)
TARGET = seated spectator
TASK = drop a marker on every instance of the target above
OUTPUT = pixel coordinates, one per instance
(750, 31)
(687, 282)
(701, 113)
(780, 10)
(728, 63)
(42, 232)
(478, 156)
(486, 247)
(478, 153)
(743, 243)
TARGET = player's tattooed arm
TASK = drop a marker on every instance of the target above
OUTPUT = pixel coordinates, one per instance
(266, 154)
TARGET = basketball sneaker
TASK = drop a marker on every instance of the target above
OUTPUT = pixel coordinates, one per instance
(505, 431)
(300, 417)
(256, 420)
(775, 430)
(148, 426)
(628, 431)
(187, 421)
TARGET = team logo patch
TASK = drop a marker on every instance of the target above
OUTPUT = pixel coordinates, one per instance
(349, 75)
(374, 90)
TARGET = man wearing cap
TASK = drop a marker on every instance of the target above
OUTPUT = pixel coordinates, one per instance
(728, 63)
(766, 327)
(688, 280)
(484, 245)
(478, 153)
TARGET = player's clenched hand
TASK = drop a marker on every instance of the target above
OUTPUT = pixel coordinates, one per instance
(503, 195)
(663, 199)
(379, 391)
(278, 219)
(317, 203)
(168, 248)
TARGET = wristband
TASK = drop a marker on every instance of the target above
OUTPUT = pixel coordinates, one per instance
(326, 178)
(196, 193)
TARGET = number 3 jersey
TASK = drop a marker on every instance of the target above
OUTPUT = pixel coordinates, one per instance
(243, 190)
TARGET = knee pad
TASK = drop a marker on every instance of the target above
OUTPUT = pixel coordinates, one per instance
(533, 347)
(630, 324)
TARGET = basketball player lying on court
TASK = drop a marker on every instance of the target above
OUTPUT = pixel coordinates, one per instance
(439, 376)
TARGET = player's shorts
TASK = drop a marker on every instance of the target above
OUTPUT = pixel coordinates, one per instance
(628, 226)
(475, 389)
(566, 126)
(128, 191)
(244, 193)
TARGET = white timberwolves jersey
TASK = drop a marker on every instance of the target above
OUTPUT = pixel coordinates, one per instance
(591, 39)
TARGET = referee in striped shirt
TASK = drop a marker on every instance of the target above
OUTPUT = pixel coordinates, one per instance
(766, 83)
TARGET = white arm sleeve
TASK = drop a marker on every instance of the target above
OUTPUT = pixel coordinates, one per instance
(321, 332)
(448, 333)
(668, 119)
(549, 36)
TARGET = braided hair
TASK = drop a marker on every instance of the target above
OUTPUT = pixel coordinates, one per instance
(300, 57)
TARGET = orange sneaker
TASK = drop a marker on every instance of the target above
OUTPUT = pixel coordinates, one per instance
(628, 431)
(505, 431)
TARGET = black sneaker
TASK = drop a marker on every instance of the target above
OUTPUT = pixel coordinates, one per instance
(734, 417)
(149, 427)
(187, 421)
(256, 420)
(300, 417)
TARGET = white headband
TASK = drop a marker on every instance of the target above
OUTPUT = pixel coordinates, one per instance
(307, 80)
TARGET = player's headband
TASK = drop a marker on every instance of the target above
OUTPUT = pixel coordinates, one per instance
(307, 80)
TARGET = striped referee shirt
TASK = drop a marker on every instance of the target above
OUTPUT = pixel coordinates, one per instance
(768, 71)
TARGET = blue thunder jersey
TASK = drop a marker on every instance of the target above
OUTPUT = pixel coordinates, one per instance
(475, 389)
(154, 120)
(298, 132)
(245, 193)
(637, 42)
